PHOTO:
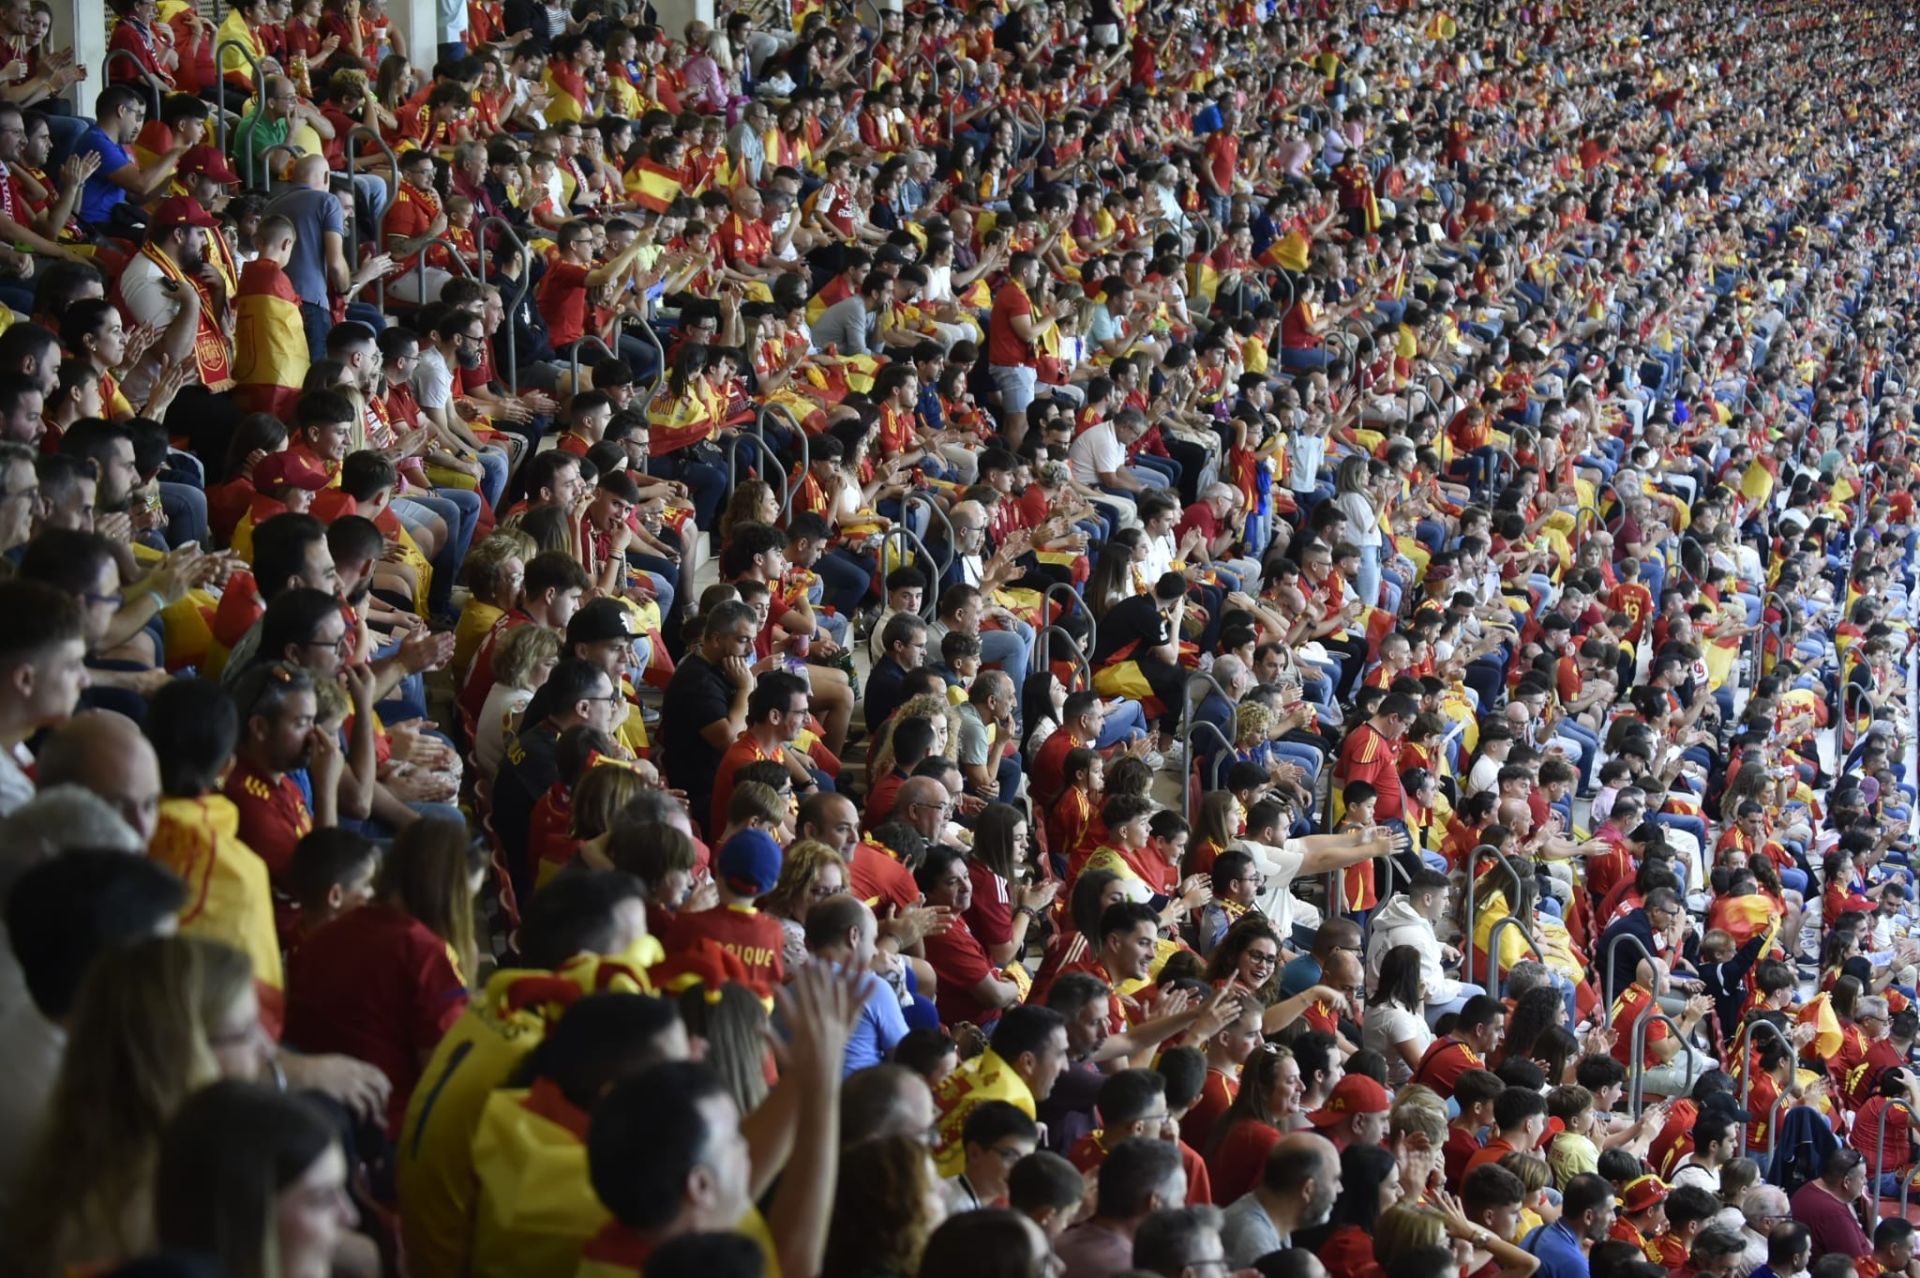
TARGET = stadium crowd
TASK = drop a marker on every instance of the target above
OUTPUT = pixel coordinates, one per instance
(1048, 638)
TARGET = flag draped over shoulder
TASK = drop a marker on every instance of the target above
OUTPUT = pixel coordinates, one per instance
(271, 340)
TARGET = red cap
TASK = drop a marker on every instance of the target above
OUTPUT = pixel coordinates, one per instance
(180, 210)
(208, 162)
(1353, 1094)
(288, 469)
(1642, 1193)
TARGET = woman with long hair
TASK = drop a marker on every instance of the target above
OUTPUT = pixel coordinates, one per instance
(1395, 1023)
(255, 1181)
(732, 1023)
(1262, 1111)
(1249, 956)
(1004, 903)
(1214, 829)
(1534, 1012)
(752, 502)
(1092, 893)
(1369, 1185)
(384, 982)
(1354, 497)
(811, 871)
(142, 1038)
(1115, 576)
(522, 660)
(888, 1202)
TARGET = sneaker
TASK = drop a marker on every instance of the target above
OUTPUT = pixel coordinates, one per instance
(1154, 759)
(1174, 756)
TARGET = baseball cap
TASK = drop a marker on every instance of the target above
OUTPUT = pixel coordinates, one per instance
(288, 469)
(1643, 1193)
(749, 863)
(208, 162)
(181, 210)
(599, 620)
(1353, 1094)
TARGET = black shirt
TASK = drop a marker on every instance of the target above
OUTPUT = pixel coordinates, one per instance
(1138, 621)
(527, 772)
(699, 694)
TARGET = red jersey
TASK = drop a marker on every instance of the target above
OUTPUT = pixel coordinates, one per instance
(750, 936)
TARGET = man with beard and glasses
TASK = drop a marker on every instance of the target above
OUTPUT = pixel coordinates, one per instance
(1586, 1217)
(1297, 1191)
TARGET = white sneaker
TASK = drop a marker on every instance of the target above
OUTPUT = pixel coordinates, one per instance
(1175, 756)
(1154, 759)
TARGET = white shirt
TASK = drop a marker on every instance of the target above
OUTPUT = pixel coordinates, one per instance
(1097, 452)
(432, 379)
(1279, 866)
(1386, 1024)
(1159, 556)
(1691, 1173)
(504, 701)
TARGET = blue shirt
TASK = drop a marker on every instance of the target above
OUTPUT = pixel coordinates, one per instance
(100, 195)
(880, 1028)
(313, 213)
(1559, 1250)
(1299, 976)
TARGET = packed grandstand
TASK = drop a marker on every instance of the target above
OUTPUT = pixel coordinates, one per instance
(1058, 638)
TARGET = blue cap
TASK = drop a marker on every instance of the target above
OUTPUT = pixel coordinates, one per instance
(749, 863)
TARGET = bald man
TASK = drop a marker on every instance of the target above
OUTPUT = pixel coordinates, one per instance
(318, 266)
(925, 804)
(104, 752)
(1296, 1191)
(884, 1100)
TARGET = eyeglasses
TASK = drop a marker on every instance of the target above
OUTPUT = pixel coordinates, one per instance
(338, 645)
(1260, 959)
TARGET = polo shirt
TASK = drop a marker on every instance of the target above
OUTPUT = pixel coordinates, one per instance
(562, 298)
(1559, 1251)
(744, 932)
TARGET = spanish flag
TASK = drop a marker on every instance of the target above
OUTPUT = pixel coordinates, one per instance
(987, 1077)
(1818, 1012)
(652, 185)
(1744, 917)
(570, 94)
(270, 341)
(1288, 253)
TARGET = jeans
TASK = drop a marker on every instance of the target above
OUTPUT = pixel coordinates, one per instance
(459, 508)
(1011, 650)
(1436, 1010)
(844, 581)
(706, 485)
(186, 508)
(1128, 723)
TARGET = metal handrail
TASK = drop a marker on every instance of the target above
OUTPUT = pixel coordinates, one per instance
(154, 82)
(925, 498)
(806, 451)
(573, 359)
(526, 282)
(266, 160)
(259, 104)
(1637, 1040)
(355, 133)
(773, 469)
(453, 251)
(909, 539)
(659, 349)
(1043, 642)
(1187, 735)
(1493, 950)
(1073, 602)
(1607, 989)
(1472, 908)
